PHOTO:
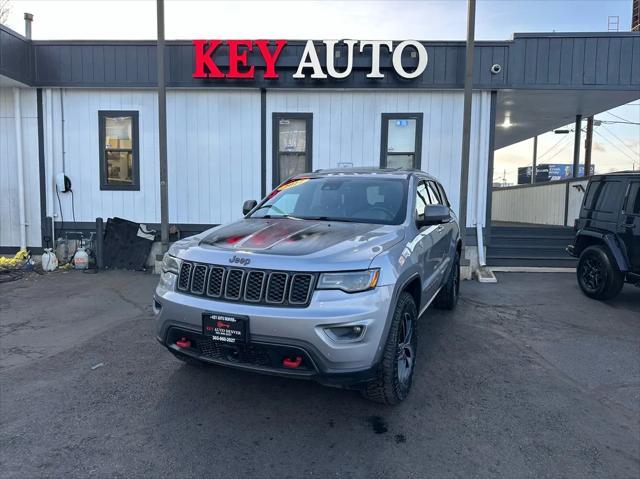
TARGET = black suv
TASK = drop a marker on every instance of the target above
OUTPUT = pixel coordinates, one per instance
(608, 235)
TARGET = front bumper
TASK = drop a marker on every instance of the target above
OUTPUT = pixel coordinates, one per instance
(279, 332)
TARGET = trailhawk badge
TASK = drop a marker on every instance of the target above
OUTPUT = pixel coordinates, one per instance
(242, 261)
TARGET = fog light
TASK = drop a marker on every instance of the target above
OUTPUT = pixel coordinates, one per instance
(346, 333)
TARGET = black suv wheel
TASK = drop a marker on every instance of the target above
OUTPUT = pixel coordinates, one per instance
(395, 373)
(598, 277)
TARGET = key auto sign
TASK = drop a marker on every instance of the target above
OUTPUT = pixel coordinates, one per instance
(239, 65)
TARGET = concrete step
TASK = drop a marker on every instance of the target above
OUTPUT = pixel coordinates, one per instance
(521, 231)
(534, 261)
(551, 241)
(537, 251)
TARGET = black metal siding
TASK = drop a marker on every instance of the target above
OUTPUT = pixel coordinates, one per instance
(575, 61)
(529, 61)
(15, 56)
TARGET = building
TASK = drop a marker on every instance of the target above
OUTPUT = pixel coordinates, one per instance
(243, 115)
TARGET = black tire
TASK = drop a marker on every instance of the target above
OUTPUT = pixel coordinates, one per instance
(448, 296)
(395, 373)
(598, 276)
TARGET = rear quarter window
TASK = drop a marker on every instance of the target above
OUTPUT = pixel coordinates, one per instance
(608, 200)
(633, 200)
(591, 194)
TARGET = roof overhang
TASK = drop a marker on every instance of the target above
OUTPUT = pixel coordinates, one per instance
(523, 114)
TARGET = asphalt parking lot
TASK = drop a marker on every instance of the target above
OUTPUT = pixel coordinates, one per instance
(527, 378)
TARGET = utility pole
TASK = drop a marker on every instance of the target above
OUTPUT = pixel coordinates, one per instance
(588, 142)
(466, 121)
(162, 130)
(534, 169)
(576, 146)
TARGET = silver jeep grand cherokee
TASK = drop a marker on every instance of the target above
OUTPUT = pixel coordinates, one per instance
(324, 279)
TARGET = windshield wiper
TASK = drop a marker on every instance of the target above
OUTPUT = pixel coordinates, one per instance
(329, 218)
(269, 217)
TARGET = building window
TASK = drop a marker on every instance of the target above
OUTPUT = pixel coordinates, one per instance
(401, 140)
(292, 136)
(119, 159)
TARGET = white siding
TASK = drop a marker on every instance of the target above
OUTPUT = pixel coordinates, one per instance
(213, 154)
(541, 204)
(9, 212)
(347, 129)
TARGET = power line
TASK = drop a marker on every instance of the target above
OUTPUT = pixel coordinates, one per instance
(560, 150)
(615, 146)
(609, 122)
(620, 118)
(556, 144)
(621, 141)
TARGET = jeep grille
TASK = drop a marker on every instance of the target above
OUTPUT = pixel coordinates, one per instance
(272, 288)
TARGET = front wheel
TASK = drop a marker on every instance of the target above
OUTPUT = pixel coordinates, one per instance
(395, 373)
(598, 277)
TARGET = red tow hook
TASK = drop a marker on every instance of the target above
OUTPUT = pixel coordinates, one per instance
(292, 363)
(183, 343)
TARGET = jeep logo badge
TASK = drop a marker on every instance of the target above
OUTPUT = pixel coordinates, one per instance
(242, 261)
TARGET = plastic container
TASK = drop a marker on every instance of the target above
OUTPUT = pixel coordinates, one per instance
(49, 260)
(81, 259)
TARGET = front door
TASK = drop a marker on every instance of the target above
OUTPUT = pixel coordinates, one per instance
(428, 245)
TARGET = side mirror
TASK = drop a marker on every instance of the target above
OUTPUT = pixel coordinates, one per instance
(248, 206)
(434, 215)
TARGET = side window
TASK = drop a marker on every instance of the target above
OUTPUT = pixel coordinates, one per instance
(434, 194)
(591, 194)
(608, 197)
(422, 198)
(119, 159)
(633, 200)
(443, 195)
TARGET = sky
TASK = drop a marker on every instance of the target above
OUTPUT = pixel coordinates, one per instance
(616, 146)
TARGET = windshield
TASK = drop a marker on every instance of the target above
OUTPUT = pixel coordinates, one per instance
(352, 199)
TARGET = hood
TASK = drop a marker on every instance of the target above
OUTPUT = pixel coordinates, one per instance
(293, 244)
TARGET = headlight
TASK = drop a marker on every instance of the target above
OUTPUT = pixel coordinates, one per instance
(350, 282)
(171, 264)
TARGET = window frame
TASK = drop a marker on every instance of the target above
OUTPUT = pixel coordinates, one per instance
(275, 142)
(628, 199)
(135, 149)
(384, 138)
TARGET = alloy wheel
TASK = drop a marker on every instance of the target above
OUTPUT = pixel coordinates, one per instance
(406, 350)
(592, 273)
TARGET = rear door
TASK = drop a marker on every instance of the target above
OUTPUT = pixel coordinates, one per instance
(629, 226)
(440, 251)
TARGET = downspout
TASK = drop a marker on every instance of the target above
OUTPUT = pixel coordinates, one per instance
(50, 180)
(17, 113)
(479, 197)
(64, 153)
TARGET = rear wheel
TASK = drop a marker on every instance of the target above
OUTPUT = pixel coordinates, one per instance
(395, 373)
(598, 277)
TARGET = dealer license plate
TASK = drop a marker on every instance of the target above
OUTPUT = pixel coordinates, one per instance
(225, 328)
